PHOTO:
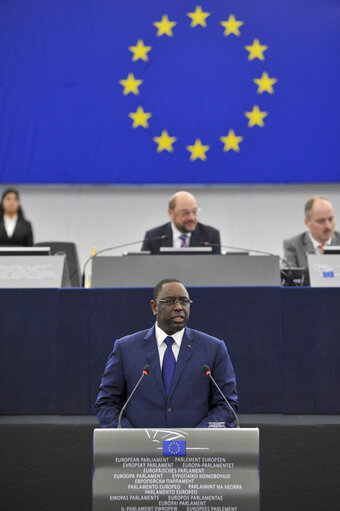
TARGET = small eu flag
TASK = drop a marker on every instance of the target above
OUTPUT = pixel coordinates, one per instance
(174, 448)
(328, 274)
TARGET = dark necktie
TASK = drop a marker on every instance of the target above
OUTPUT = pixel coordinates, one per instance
(169, 363)
(184, 242)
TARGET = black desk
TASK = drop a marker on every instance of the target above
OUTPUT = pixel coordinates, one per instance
(284, 344)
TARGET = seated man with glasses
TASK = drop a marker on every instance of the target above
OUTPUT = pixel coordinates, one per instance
(184, 230)
(176, 391)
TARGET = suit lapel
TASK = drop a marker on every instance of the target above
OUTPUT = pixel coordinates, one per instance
(195, 238)
(17, 230)
(185, 353)
(152, 356)
(335, 239)
(168, 232)
(308, 246)
(3, 232)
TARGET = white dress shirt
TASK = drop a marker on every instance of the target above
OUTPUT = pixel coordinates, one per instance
(161, 335)
(316, 244)
(10, 224)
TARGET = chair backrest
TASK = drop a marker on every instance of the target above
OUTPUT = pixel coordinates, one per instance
(70, 250)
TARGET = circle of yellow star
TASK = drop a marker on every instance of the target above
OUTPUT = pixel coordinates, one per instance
(164, 142)
(231, 25)
(140, 118)
(130, 84)
(256, 117)
(265, 83)
(231, 141)
(140, 51)
(164, 26)
(256, 50)
(198, 17)
(198, 150)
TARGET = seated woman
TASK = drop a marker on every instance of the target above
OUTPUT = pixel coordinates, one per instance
(14, 229)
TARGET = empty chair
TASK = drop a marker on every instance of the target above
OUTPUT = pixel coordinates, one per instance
(71, 253)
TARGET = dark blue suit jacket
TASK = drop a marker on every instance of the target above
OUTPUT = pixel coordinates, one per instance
(193, 401)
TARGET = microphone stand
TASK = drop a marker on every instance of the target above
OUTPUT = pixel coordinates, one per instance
(123, 245)
(145, 371)
(207, 371)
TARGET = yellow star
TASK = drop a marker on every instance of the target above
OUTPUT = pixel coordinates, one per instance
(165, 142)
(231, 25)
(130, 84)
(165, 26)
(140, 51)
(198, 150)
(198, 17)
(231, 141)
(265, 83)
(140, 118)
(256, 50)
(256, 117)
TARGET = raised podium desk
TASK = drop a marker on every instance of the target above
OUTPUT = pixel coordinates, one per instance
(193, 270)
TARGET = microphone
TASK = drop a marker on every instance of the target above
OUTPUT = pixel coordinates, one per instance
(123, 245)
(207, 371)
(145, 371)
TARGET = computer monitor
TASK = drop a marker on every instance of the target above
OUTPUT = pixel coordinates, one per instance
(25, 251)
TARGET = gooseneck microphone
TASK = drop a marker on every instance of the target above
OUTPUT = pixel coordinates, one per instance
(145, 371)
(207, 371)
(123, 245)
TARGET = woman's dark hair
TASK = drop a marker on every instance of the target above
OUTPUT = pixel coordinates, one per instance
(6, 192)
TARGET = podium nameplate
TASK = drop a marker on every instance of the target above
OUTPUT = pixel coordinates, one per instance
(176, 470)
(33, 271)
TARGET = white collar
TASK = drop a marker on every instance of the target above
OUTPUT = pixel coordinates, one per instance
(161, 335)
(316, 244)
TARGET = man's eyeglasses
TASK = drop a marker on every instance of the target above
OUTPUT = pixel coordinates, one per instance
(188, 212)
(185, 302)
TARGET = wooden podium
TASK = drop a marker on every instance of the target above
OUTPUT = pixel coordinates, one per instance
(176, 469)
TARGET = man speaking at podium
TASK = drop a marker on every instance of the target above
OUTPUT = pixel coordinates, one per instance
(184, 230)
(170, 362)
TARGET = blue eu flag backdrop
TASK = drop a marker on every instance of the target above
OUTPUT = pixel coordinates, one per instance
(157, 91)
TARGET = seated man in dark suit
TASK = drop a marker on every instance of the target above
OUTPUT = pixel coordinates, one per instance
(184, 230)
(320, 220)
(177, 392)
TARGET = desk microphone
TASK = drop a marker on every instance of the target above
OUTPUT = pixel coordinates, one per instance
(207, 371)
(145, 371)
(123, 245)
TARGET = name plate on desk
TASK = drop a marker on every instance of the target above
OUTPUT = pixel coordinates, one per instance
(176, 470)
(196, 270)
(33, 271)
(324, 270)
